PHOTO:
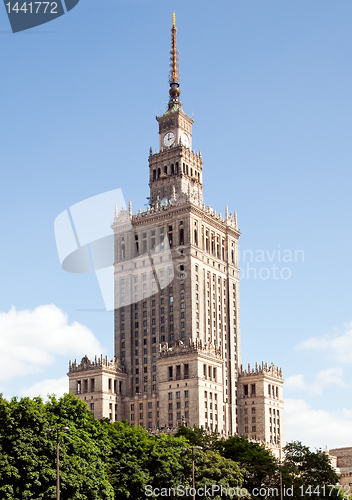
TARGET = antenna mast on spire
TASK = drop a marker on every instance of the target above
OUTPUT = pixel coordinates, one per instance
(174, 77)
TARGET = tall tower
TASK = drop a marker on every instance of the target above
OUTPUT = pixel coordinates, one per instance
(192, 323)
(177, 316)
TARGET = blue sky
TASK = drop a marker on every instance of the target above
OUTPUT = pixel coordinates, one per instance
(268, 85)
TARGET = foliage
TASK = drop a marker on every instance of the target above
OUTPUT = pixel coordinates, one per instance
(310, 473)
(211, 469)
(100, 460)
(198, 436)
(261, 467)
(28, 451)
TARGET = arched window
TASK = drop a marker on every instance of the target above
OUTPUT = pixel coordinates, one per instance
(154, 175)
(165, 169)
(122, 252)
(182, 240)
(172, 169)
(159, 172)
(196, 237)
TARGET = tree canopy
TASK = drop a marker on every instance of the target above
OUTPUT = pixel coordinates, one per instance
(100, 460)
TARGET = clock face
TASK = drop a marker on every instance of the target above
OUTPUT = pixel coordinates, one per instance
(185, 140)
(169, 139)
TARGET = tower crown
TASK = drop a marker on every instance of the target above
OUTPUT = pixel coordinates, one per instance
(175, 168)
(174, 77)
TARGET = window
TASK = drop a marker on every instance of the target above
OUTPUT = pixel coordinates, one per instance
(170, 395)
(92, 406)
(186, 394)
(178, 395)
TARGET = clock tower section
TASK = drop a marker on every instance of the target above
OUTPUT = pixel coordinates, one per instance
(175, 169)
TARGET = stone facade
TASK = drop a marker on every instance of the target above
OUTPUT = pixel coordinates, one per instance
(342, 460)
(177, 314)
(261, 406)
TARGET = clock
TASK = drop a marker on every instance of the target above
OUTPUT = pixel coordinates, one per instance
(169, 139)
(185, 140)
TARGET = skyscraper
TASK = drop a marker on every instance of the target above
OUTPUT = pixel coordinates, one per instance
(177, 315)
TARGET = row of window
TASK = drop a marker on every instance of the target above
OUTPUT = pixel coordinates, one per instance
(173, 169)
(254, 429)
(212, 243)
(249, 390)
(209, 372)
(178, 415)
(178, 394)
(210, 416)
(246, 420)
(178, 373)
(273, 391)
(88, 385)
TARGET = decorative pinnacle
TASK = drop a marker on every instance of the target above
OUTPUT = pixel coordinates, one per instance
(174, 77)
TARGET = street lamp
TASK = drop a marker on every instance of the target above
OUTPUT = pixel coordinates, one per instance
(57, 430)
(193, 479)
(280, 465)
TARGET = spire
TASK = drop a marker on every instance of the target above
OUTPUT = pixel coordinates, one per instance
(130, 208)
(174, 77)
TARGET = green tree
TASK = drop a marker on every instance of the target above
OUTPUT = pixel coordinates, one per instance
(198, 436)
(309, 472)
(130, 449)
(166, 463)
(261, 467)
(214, 471)
(28, 451)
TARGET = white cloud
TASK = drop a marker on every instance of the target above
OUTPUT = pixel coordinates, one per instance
(317, 428)
(325, 378)
(50, 386)
(30, 340)
(338, 346)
